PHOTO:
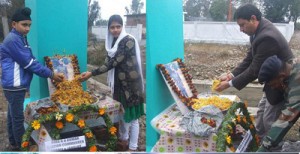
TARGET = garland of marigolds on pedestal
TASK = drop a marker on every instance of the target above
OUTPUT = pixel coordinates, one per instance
(186, 100)
(228, 126)
(60, 118)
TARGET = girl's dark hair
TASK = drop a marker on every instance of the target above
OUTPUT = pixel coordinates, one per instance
(115, 18)
(246, 11)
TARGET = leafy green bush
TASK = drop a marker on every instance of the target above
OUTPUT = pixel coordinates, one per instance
(297, 26)
(96, 53)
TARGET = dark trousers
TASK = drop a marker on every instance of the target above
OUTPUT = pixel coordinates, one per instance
(15, 116)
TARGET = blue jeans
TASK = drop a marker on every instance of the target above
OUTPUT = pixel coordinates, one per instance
(15, 116)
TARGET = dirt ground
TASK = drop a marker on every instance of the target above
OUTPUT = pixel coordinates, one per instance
(208, 61)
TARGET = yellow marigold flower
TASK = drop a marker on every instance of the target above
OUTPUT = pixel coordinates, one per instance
(59, 125)
(230, 128)
(69, 117)
(89, 134)
(228, 139)
(232, 149)
(93, 148)
(215, 84)
(25, 144)
(101, 111)
(36, 125)
(113, 130)
(81, 123)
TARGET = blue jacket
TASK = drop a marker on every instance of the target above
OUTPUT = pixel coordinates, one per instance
(18, 64)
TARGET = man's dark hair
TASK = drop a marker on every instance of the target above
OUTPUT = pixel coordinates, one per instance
(246, 11)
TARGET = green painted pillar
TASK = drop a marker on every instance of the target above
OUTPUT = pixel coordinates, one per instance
(164, 43)
(57, 26)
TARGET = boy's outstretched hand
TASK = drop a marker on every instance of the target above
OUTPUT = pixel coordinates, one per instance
(58, 77)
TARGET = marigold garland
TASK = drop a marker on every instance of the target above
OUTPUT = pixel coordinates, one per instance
(36, 125)
(113, 130)
(186, 100)
(101, 111)
(71, 116)
(89, 134)
(25, 144)
(59, 125)
(81, 123)
(230, 121)
(93, 148)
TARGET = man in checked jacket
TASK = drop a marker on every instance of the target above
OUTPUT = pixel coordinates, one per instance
(266, 41)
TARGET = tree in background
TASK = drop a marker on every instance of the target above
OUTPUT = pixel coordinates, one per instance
(7, 8)
(217, 10)
(197, 8)
(101, 22)
(294, 11)
(94, 14)
(136, 7)
(277, 10)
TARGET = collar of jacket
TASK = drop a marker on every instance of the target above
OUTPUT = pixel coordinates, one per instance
(16, 32)
(260, 26)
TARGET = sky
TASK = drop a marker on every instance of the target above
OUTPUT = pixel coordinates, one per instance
(110, 7)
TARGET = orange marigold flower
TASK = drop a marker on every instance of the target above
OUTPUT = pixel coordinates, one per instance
(101, 111)
(59, 125)
(69, 117)
(89, 134)
(232, 149)
(238, 118)
(36, 125)
(25, 144)
(244, 119)
(81, 123)
(113, 130)
(251, 126)
(93, 148)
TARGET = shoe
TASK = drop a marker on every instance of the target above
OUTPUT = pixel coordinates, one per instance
(122, 145)
(130, 150)
(277, 148)
(12, 148)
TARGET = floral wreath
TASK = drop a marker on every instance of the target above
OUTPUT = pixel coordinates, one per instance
(186, 100)
(74, 62)
(229, 124)
(61, 117)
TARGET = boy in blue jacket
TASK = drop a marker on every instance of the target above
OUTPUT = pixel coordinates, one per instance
(18, 66)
